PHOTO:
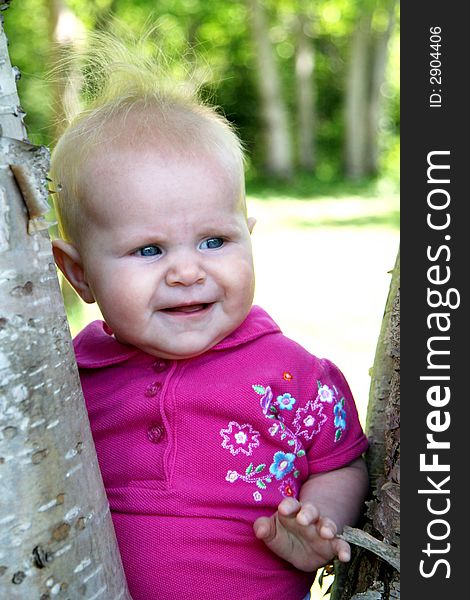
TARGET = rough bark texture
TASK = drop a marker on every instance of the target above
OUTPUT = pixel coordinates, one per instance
(373, 573)
(56, 534)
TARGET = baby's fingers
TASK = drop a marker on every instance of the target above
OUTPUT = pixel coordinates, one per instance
(308, 515)
(327, 528)
(342, 549)
(265, 529)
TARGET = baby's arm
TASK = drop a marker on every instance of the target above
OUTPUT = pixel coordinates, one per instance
(304, 532)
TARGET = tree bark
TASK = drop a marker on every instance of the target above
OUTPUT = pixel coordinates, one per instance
(278, 158)
(373, 573)
(56, 531)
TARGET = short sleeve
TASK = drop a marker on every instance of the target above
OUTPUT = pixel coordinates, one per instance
(340, 439)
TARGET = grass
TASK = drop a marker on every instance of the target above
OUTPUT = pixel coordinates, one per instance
(310, 187)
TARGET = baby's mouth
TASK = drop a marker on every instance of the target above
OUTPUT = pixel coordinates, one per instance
(188, 308)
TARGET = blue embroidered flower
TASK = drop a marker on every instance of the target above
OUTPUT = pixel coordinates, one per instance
(340, 414)
(283, 464)
(285, 401)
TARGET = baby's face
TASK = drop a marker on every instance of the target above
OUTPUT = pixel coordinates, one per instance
(166, 250)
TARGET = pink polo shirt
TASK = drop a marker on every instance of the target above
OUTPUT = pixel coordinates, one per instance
(193, 451)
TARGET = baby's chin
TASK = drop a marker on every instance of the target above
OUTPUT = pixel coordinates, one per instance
(179, 352)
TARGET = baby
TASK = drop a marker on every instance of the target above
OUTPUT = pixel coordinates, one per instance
(231, 457)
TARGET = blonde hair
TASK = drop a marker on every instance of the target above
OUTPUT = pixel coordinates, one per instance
(133, 98)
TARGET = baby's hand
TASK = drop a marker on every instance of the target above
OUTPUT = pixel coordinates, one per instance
(300, 535)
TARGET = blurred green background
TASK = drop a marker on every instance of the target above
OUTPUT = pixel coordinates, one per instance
(313, 90)
(316, 82)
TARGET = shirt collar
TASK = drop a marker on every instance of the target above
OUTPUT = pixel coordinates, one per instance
(95, 346)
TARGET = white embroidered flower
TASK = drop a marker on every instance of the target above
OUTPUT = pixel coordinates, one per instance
(239, 438)
(325, 394)
(274, 428)
(257, 496)
(231, 476)
(309, 419)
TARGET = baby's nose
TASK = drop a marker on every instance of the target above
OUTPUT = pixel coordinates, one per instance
(186, 269)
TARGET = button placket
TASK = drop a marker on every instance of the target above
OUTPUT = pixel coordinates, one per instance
(160, 365)
(156, 431)
(153, 388)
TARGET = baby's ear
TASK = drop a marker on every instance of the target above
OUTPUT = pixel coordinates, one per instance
(251, 222)
(70, 263)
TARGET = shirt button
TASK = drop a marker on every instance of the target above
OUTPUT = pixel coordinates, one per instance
(153, 389)
(160, 365)
(155, 433)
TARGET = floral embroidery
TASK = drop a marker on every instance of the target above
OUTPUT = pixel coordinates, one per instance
(285, 401)
(231, 476)
(325, 394)
(308, 422)
(340, 419)
(239, 438)
(288, 488)
(282, 465)
(266, 397)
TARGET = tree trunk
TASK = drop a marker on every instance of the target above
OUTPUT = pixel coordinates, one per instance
(379, 66)
(373, 573)
(278, 157)
(363, 105)
(56, 531)
(357, 100)
(304, 68)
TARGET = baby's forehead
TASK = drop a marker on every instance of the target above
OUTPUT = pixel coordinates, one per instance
(118, 168)
(133, 157)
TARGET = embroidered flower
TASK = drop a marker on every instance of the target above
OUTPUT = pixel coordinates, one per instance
(257, 496)
(283, 463)
(309, 419)
(288, 488)
(231, 476)
(239, 438)
(266, 396)
(340, 414)
(285, 401)
(274, 428)
(325, 394)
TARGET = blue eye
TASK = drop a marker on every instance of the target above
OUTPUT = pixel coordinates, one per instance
(149, 251)
(212, 244)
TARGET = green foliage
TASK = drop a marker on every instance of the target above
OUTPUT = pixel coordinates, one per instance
(218, 33)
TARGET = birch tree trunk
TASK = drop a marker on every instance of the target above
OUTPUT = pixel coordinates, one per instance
(373, 573)
(56, 533)
(278, 148)
(378, 70)
(363, 100)
(304, 68)
(357, 101)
